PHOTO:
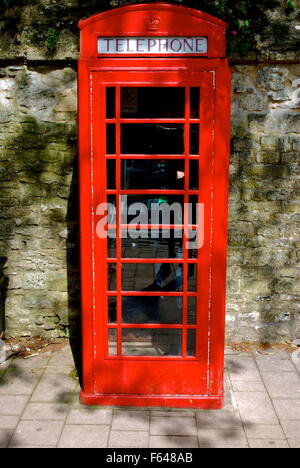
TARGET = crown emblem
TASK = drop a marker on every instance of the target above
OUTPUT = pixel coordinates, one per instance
(152, 23)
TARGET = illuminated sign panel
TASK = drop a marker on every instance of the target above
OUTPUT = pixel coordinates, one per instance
(152, 45)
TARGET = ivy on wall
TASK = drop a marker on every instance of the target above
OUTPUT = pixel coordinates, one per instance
(246, 18)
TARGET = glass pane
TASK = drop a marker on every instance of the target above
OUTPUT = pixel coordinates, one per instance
(195, 103)
(194, 138)
(192, 311)
(111, 209)
(155, 309)
(112, 342)
(152, 209)
(111, 174)
(110, 103)
(112, 274)
(193, 244)
(194, 175)
(192, 277)
(110, 139)
(112, 247)
(191, 342)
(151, 277)
(153, 244)
(112, 309)
(153, 174)
(151, 342)
(152, 102)
(193, 209)
(152, 139)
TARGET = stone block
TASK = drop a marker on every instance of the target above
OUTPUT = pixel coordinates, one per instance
(250, 406)
(271, 77)
(289, 387)
(81, 436)
(8, 422)
(128, 439)
(5, 437)
(173, 426)
(225, 420)
(221, 438)
(287, 409)
(12, 405)
(265, 432)
(39, 433)
(269, 443)
(58, 388)
(45, 411)
(173, 442)
(131, 420)
(291, 429)
(268, 157)
(34, 281)
(279, 96)
(90, 416)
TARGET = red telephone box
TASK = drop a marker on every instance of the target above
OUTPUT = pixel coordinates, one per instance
(154, 127)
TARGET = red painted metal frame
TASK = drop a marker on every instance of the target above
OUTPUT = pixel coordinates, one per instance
(143, 381)
(174, 20)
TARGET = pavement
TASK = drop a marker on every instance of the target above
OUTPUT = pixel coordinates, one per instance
(39, 408)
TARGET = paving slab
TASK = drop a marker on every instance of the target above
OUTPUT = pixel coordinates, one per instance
(32, 447)
(90, 416)
(272, 444)
(64, 358)
(37, 362)
(221, 437)
(131, 420)
(173, 442)
(38, 433)
(128, 439)
(219, 420)
(248, 386)
(287, 409)
(54, 388)
(173, 413)
(173, 426)
(262, 431)
(272, 354)
(230, 401)
(222, 446)
(256, 408)
(12, 405)
(45, 411)
(5, 437)
(242, 369)
(296, 359)
(291, 429)
(9, 422)
(62, 370)
(18, 384)
(282, 384)
(294, 443)
(275, 365)
(82, 436)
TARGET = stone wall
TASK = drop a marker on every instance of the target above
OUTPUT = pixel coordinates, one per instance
(3, 287)
(38, 182)
(264, 241)
(38, 199)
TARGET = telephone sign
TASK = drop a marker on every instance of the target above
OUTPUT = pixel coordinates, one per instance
(150, 45)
